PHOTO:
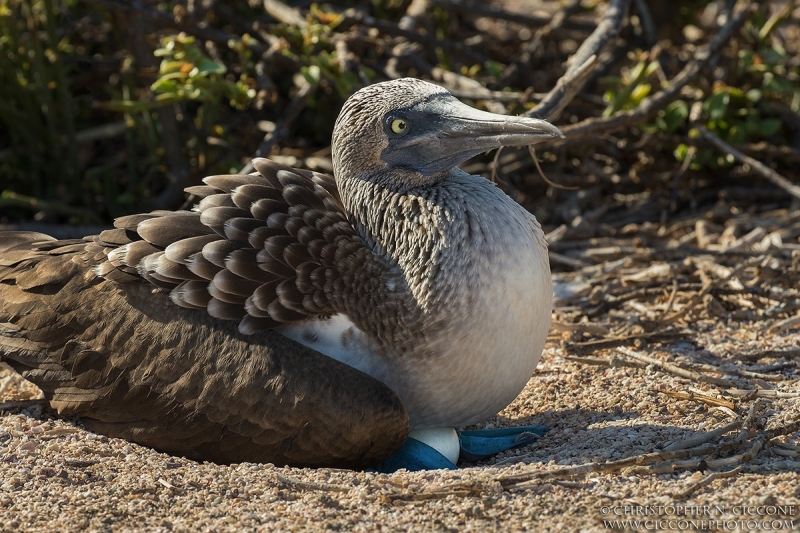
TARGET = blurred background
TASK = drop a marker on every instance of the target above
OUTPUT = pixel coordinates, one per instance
(110, 107)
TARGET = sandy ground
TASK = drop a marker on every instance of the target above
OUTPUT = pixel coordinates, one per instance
(55, 476)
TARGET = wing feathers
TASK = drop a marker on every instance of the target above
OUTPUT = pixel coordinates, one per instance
(245, 196)
(263, 208)
(243, 263)
(267, 246)
(239, 229)
(226, 310)
(197, 264)
(218, 251)
(215, 200)
(181, 250)
(230, 283)
(163, 231)
(201, 191)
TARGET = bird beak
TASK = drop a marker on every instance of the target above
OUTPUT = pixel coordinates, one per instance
(445, 132)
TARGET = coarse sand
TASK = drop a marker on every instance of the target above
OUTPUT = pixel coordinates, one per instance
(56, 476)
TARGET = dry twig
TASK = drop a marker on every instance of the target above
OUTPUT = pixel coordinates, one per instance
(758, 167)
(673, 369)
(511, 480)
(693, 396)
(707, 481)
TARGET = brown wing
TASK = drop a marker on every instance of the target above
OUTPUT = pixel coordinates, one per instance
(77, 319)
(261, 249)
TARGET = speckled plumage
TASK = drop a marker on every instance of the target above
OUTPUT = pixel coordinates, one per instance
(175, 328)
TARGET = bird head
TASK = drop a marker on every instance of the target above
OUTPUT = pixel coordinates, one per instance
(411, 131)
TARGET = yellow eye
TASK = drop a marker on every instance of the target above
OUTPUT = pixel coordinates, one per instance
(398, 126)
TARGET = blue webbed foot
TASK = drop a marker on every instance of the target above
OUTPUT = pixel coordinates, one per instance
(414, 456)
(482, 443)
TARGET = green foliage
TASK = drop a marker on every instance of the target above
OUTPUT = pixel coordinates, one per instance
(311, 46)
(493, 68)
(672, 117)
(187, 74)
(68, 68)
(51, 161)
(735, 116)
(630, 89)
(36, 108)
(765, 80)
(749, 112)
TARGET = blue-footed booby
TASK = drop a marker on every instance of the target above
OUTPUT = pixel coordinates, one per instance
(297, 318)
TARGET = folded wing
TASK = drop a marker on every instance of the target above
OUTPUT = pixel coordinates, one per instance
(94, 324)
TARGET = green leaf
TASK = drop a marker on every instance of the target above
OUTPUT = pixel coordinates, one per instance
(752, 125)
(493, 68)
(680, 152)
(636, 71)
(132, 106)
(206, 66)
(325, 61)
(163, 85)
(717, 105)
(168, 67)
(776, 84)
(746, 58)
(311, 74)
(638, 95)
(773, 57)
(673, 116)
(611, 81)
(174, 76)
(770, 126)
(736, 134)
(346, 84)
(735, 92)
(753, 95)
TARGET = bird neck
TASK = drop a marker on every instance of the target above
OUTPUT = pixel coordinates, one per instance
(437, 233)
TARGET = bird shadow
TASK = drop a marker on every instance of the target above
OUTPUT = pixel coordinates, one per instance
(580, 436)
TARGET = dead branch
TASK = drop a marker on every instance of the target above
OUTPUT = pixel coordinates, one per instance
(770, 354)
(528, 51)
(357, 17)
(284, 13)
(759, 168)
(582, 64)
(415, 12)
(744, 457)
(759, 393)
(602, 361)
(629, 339)
(707, 287)
(502, 14)
(762, 149)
